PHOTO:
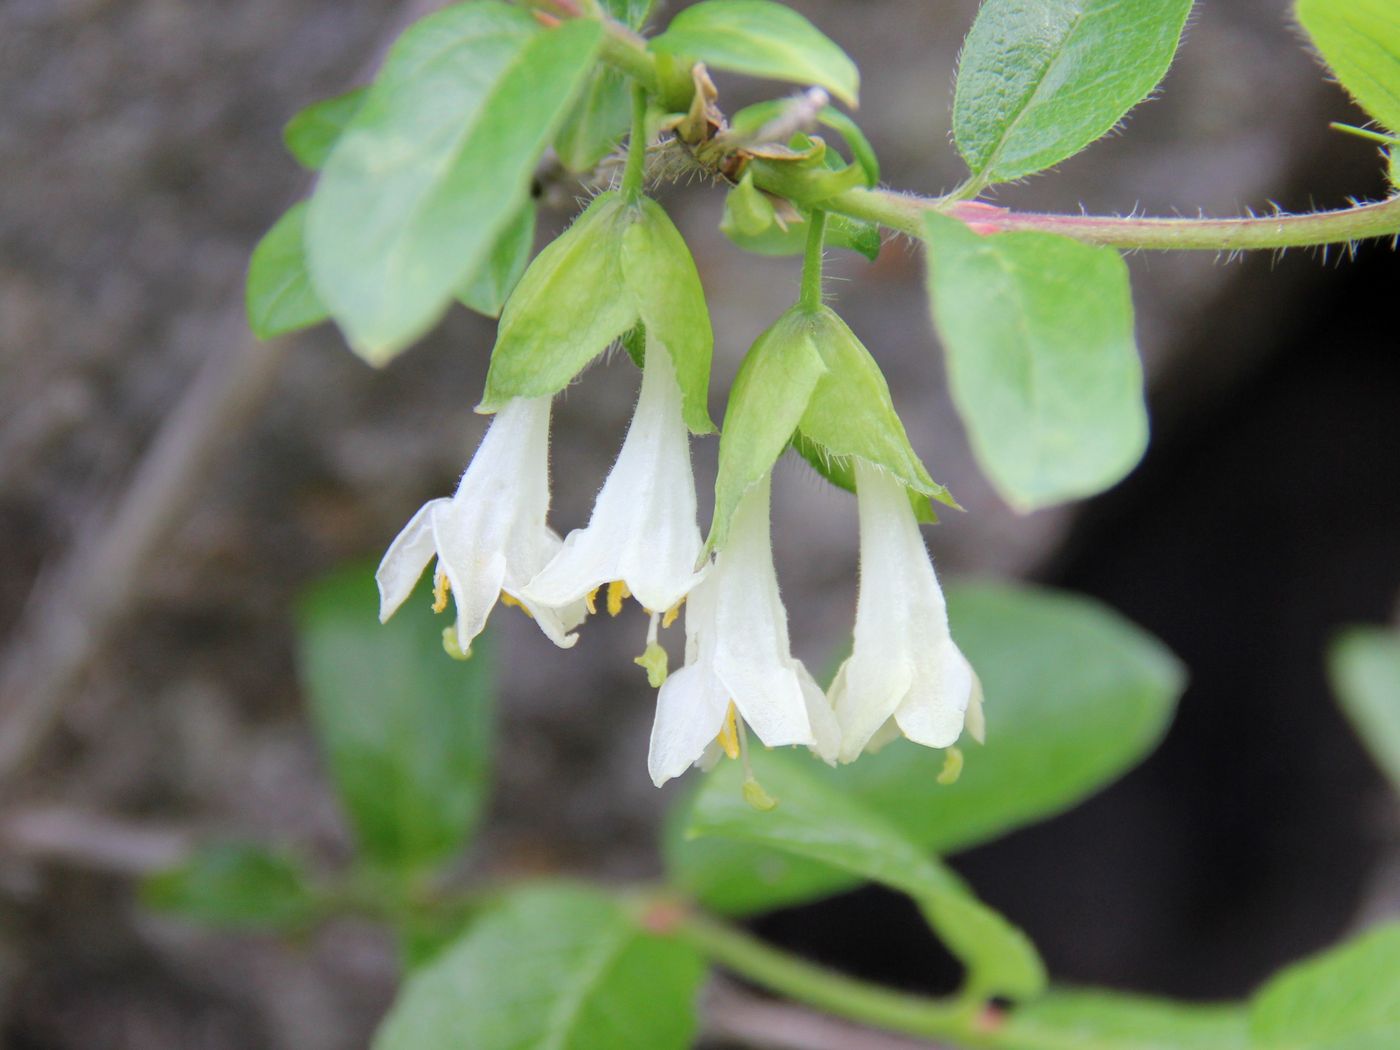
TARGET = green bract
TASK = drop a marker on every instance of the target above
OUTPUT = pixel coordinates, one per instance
(1038, 332)
(1041, 79)
(760, 39)
(808, 380)
(751, 222)
(436, 164)
(620, 263)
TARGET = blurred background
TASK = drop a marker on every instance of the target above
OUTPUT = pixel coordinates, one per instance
(168, 486)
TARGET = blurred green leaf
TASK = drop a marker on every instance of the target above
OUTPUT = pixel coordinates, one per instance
(405, 729)
(632, 12)
(490, 286)
(235, 885)
(1038, 334)
(760, 39)
(819, 822)
(1365, 669)
(555, 968)
(436, 164)
(1041, 79)
(279, 297)
(1347, 998)
(598, 121)
(312, 134)
(1075, 696)
(1360, 39)
(1095, 1020)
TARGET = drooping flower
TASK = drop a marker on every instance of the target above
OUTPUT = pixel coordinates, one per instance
(738, 661)
(642, 537)
(490, 537)
(905, 674)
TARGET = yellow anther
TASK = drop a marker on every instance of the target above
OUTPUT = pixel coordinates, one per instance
(756, 797)
(671, 614)
(618, 592)
(510, 599)
(591, 601)
(728, 738)
(441, 585)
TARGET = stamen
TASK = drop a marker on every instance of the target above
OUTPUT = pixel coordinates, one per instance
(952, 766)
(441, 585)
(728, 738)
(656, 664)
(671, 614)
(591, 601)
(753, 791)
(450, 645)
(618, 592)
(510, 599)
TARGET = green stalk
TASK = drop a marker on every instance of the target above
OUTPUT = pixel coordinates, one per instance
(811, 296)
(830, 991)
(633, 174)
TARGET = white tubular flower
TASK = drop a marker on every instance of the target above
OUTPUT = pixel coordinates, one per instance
(490, 538)
(738, 661)
(904, 665)
(642, 536)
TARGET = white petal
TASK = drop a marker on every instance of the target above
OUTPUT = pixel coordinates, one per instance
(690, 713)
(752, 655)
(825, 729)
(405, 560)
(933, 713)
(904, 662)
(476, 571)
(643, 528)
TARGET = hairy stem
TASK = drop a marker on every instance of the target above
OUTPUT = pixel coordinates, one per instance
(904, 212)
(811, 296)
(633, 174)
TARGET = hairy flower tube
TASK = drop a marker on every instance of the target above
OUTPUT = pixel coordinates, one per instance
(642, 536)
(490, 537)
(738, 661)
(905, 674)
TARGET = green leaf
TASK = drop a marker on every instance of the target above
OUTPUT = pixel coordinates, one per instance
(556, 968)
(1360, 39)
(405, 729)
(312, 134)
(861, 148)
(436, 164)
(760, 39)
(621, 262)
(1075, 697)
(235, 885)
(1365, 670)
(1345, 999)
(1041, 79)
(820, 822)
(490, 287)
(598, 121)
(279, 297)
(1038, 333)
(769, 396)
(850, 413)
(1095, 1020)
